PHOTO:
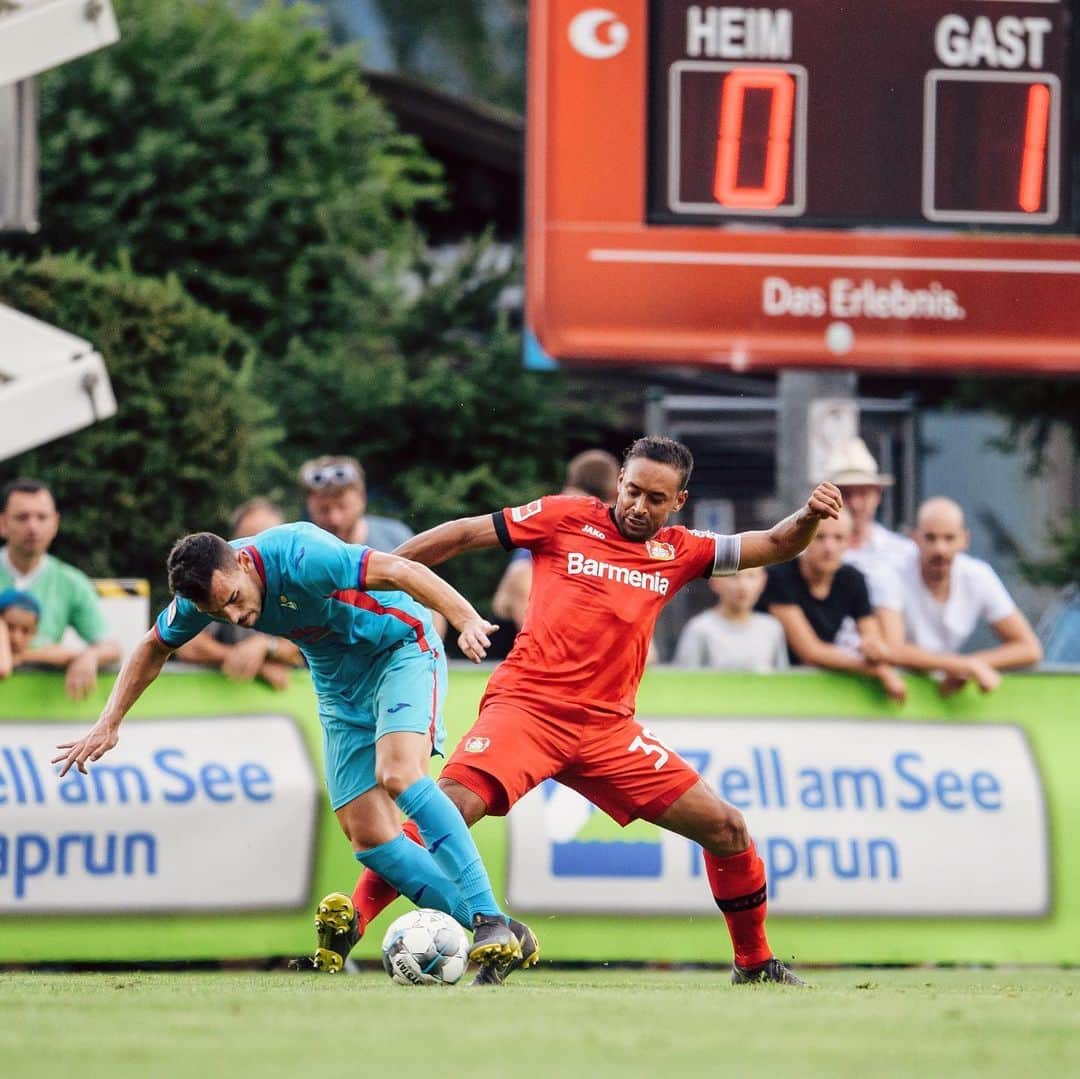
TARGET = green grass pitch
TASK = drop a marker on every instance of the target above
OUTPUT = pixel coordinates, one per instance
(549, 1022)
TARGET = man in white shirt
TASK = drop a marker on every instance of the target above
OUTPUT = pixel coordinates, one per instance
(732, 636)
(874, 550)
(944, 593)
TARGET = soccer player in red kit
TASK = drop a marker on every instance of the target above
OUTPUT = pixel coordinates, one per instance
(562, 703)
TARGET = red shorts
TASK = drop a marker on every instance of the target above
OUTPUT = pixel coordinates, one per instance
(613, 761)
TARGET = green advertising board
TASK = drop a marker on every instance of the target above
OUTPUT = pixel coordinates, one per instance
(994, 817)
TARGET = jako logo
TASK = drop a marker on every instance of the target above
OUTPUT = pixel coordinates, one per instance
(585, 37)
(577, 564)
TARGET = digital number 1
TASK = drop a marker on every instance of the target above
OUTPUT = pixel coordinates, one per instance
(990, 148)
(1033, 162)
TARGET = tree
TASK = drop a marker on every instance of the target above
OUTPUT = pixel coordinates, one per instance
(190, 435)
(470, 47)
(447, 422)
(476, 45)
(1033, 407)
(244, 156)
(245, 159)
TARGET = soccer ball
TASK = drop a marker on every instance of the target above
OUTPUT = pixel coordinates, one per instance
(425, 947)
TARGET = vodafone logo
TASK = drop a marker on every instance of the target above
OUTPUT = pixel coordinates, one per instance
(598, 33)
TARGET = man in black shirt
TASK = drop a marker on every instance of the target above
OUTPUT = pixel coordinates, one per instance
(825, 610)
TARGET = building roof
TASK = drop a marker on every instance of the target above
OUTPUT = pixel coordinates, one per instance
(480, 146)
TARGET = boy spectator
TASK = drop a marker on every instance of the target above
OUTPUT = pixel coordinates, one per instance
(19, 614)
(944, 593)
(732, 636)
(243, 654)
(29, 522)
(824, 607)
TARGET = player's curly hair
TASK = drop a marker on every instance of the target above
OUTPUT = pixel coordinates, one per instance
(667, 452)
(192, 562)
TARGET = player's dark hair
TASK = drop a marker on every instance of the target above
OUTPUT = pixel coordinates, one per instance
(24, 485)
(667, 452)
(192, 562)
(596, 472)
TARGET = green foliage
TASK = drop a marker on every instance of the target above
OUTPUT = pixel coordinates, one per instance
(444, 417)
(1064, 567)
(1033, 407)
(475, 46)
(244, 159)
(242, 155)
(190, 434)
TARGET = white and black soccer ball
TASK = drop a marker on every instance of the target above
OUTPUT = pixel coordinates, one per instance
(425, 947)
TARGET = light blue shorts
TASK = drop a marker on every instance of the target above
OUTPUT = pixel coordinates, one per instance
(407, 694)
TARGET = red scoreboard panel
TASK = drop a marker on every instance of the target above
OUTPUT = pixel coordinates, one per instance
(888, 184)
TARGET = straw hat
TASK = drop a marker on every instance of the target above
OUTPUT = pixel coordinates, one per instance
(852, 465)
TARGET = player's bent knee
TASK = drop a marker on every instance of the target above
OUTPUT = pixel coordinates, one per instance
(728, 833)
(470, 805)
(365, 832)
(397, 777)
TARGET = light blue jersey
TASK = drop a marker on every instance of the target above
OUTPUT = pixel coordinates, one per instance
(377, 664)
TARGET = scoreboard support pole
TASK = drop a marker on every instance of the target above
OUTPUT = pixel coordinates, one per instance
(802, 446)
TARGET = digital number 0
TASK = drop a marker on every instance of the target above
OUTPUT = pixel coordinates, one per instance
(771, 191)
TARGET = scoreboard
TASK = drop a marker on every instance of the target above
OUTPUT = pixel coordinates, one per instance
(872, 185)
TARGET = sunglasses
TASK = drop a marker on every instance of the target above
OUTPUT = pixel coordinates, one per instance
(316, 477)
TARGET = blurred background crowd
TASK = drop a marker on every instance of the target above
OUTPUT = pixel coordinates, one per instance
(294, 230)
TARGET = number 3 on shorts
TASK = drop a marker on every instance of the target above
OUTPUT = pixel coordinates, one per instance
(650, 747)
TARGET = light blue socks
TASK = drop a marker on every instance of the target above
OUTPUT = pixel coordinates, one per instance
(447, 837)
(413, 872)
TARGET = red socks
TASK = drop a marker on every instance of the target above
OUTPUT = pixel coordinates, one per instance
(738, 886)
(737, 883)
(372, 895)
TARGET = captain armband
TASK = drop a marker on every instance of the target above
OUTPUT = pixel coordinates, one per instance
(728, 552)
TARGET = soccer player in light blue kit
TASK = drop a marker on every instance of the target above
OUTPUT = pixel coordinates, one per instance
(360, 618)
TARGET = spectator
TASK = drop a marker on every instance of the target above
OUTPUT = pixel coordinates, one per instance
(824, 607)
(67, 598)
(335, 494)
(593, 474)
(255, 516)
(944, 593)
(873, 550)
(19, 614)
(732, 636)
(336, 497)
(243, 654)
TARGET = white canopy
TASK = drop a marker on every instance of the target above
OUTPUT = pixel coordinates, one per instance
(51, 383)
(36, 35)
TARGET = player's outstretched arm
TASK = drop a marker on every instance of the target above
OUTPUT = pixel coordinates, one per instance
(7, 664)
(791, 536)
(391, 571)
(138, 671)
(442, 542)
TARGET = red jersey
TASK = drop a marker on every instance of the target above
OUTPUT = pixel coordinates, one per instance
(595, 599)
